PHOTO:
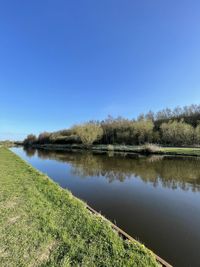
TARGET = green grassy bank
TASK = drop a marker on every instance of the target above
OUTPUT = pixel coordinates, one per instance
(143, 149)
(42, 224)
(181, 151)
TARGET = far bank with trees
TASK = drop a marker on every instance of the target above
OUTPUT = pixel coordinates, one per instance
(176, 128)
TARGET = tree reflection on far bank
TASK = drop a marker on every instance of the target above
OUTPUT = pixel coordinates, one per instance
(170, 172)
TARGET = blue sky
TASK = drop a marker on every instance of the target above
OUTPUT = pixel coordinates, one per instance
(64, 62)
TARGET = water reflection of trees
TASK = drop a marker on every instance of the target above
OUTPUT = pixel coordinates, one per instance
(30, 151)
(171, 172)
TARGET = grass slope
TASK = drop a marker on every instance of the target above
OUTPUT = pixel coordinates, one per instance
(42, 224)
(182, 151)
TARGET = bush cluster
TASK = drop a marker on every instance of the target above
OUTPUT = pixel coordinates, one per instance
(178, 127)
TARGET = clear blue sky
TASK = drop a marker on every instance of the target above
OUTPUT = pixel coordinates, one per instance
(64, 62)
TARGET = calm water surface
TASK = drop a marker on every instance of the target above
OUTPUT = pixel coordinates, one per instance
(155, 199)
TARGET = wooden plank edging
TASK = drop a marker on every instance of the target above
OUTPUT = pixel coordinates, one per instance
(126, 236)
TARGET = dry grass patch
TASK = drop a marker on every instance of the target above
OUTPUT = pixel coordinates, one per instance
(14, 219)
(10, 204)
(43, 254)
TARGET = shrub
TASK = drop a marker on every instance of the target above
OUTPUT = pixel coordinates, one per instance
(197, 134)
(143, 131)
(89, 132)
(30, 139)
(177, 133)
(150, 148)
(44, 138)
(110, 147)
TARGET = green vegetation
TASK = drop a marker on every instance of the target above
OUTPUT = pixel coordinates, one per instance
(178, 133)
(42, 224)
(7, 143)
(89, 132)
(187, 151)
(30, 139)
(178, 127)
(146, 149)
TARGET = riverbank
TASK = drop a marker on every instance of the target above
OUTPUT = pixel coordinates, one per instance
(145, 150)
(42, 224)
(7, 143)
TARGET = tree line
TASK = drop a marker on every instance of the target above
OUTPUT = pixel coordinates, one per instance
(177, 127)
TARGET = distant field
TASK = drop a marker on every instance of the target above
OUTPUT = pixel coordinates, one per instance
(44, 225)
(6, 143)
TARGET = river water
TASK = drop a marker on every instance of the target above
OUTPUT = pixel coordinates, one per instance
(154, 199)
